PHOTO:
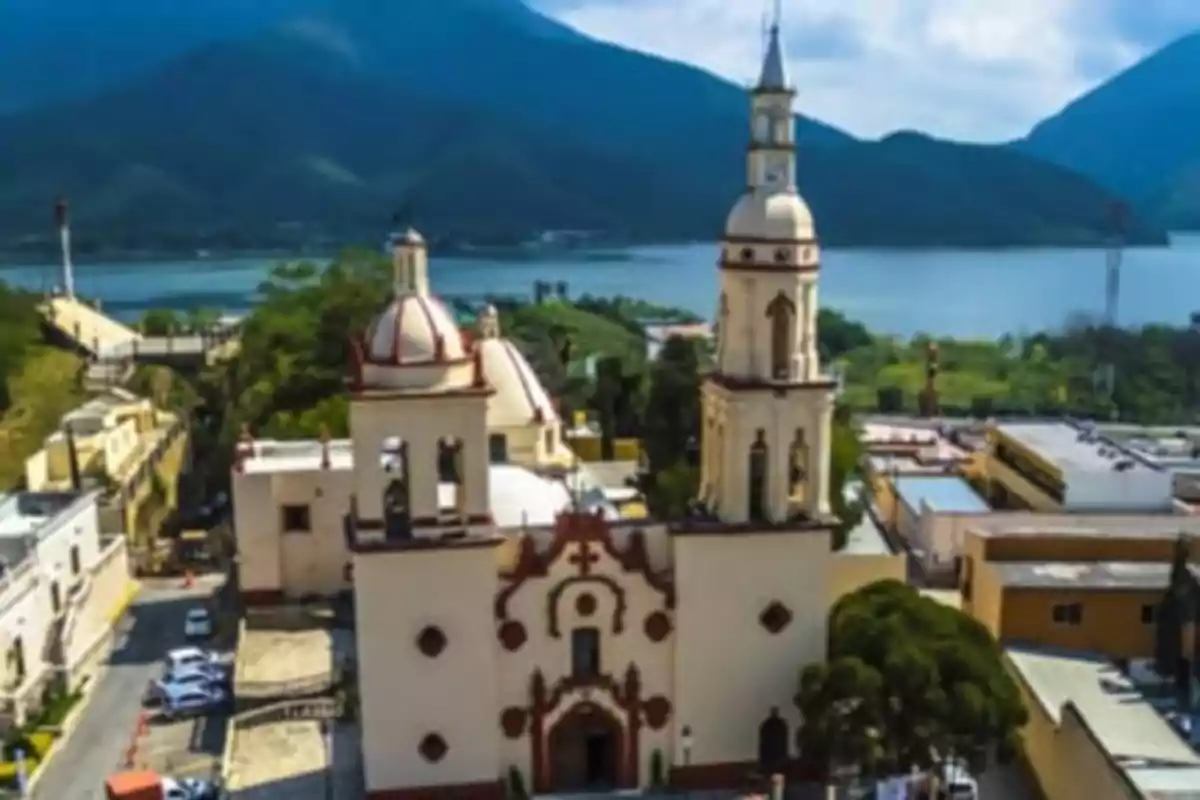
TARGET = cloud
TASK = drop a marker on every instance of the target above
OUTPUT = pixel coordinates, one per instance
(982, 70)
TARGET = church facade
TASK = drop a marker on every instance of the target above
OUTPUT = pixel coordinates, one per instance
(510, 635)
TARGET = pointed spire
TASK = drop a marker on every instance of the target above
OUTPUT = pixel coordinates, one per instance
(774, 71)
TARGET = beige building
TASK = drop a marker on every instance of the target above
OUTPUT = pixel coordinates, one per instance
(1093, 735)
(512, 631)
(124, 446)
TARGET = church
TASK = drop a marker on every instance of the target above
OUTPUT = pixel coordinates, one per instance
(511, 635)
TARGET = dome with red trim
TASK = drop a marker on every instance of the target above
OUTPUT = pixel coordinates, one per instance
(414, 329)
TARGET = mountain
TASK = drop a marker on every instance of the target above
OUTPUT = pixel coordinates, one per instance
(1138, 134)
(491, 122)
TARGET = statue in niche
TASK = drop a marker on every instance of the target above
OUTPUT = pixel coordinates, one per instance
(799, 463)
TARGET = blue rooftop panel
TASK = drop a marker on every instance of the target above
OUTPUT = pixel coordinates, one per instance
(941, 494)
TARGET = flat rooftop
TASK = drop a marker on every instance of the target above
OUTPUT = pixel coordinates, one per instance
(26, 513)
(518, 497)
(1074, 446)
(1032, 523)
(1092, 575)
(269, 657)
(892, 464)
(279, 760)
(1127, 726)
(927, 440)
(949, 494)
(867, 539)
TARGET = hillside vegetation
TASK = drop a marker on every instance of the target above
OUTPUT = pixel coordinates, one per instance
(310, 125)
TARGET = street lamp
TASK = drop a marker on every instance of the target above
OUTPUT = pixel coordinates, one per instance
(685, 739)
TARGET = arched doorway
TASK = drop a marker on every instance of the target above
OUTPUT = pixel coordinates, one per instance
(585, 750)
(773, 743)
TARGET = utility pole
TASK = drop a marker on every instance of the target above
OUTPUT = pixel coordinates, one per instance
(1114, 256)
(61, 217)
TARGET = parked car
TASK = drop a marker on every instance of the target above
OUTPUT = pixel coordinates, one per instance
(189, 789)
(179, 702)
(189, 656)
(132, 785)
(198, 624)
(201, 676)
(214, 673)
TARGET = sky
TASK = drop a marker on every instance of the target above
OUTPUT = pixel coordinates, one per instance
(974, 70)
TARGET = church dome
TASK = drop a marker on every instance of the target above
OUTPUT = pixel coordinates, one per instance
(414, 329)
(519, 399)
(779, 216)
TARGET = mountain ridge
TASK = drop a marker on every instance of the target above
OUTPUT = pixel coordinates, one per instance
(493, 123)
(1137, 134)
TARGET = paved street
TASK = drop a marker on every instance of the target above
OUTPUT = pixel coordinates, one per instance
(97, 748)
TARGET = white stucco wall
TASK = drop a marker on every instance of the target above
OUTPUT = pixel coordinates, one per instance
(729, 671)
(1137, 489)
(407, 695)
(294, 563)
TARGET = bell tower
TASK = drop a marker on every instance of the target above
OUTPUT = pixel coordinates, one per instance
(768, 406)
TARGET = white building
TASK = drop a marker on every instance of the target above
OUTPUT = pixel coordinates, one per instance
(1061, 465)
(510, 633)
(61, 585)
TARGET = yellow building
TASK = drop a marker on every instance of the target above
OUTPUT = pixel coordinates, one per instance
(1081, 582)
(1093, 736)
(127, 447)
(1061, 465)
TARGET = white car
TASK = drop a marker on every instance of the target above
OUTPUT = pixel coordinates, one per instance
(190, 701)
(183, 657)
(198, 624)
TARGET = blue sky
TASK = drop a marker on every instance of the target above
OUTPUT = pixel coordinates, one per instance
(982, 70)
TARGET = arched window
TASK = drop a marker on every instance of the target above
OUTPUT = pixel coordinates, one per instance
(758, 478)
(781, 312)
(450, 469)
(773, 743)
(397, 495)
(762, 127)
(498, 448)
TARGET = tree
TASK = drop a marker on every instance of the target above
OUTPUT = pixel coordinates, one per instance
(909, 682)
(672, 418)
(19, 332)
(201, 320)
(160, 322)
(845, 454)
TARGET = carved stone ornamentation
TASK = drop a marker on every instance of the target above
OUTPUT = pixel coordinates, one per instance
(658, 711)
(433, 748)
(513, 722)
(775, 617)
(431, 641)
(512, 635)
(585, 604)
(657, 626)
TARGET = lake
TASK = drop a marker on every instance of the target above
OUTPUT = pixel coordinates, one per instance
(947, 292)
